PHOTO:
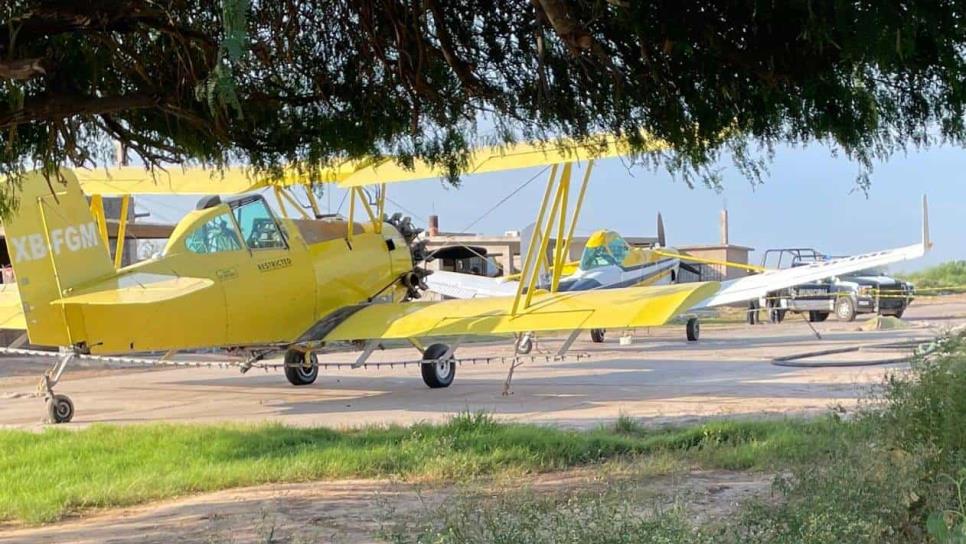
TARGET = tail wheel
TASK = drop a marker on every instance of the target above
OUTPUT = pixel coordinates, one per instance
(693, 329)
(597, 335)
(845, 309)
(438, 373)
(301, 368)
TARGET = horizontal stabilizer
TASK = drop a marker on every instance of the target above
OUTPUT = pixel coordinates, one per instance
(135, 289)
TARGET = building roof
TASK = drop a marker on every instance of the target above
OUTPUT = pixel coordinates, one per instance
(706, 247)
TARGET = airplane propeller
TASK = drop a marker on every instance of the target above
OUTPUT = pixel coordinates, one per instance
(662, 243)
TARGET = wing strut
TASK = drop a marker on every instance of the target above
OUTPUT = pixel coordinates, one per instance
(552, 216)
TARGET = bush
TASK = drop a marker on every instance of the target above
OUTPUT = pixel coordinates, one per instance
(947, 276)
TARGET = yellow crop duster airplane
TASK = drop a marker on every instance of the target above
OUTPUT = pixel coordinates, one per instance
(235, 275)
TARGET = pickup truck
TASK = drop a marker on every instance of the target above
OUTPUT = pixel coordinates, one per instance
(868, 291)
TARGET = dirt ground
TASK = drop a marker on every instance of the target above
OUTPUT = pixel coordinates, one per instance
(362, 510)
(658, 379)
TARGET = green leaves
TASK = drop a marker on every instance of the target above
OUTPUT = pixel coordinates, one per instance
(319, 81)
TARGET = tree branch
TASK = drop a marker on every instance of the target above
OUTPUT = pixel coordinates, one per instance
(21, 69)
(56, 107)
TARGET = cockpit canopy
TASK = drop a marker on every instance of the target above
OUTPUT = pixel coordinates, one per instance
(233, 225)
(604, 248)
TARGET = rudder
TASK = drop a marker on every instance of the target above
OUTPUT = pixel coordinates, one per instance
(55, 247)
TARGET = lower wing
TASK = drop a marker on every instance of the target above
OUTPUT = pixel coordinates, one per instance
(759, 285)
(604, 309)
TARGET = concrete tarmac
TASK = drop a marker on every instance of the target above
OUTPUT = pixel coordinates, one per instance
(659, 379)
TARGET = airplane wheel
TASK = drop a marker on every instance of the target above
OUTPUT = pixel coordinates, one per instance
(524, 345)
(60, 409)
(845, 309)
(437, 374)
(693, 329)
(296, 370)
(597, 335)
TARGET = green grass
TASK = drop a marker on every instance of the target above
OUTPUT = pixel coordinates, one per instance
(895, 473)
(946, 277)
(44, 476)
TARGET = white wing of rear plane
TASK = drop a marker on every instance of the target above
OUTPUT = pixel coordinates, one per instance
(457, 285)
(759, 285)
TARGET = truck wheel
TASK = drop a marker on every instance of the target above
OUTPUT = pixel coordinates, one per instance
(898, 313)
(776, 315)
(845, 309)
(693, 329)
(597, 336)
(816, 316)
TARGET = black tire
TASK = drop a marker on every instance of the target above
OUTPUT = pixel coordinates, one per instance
(60, 409)
(693, 329)
(818, 317)
(777, 315)
(437, 374)
(597, 335)
(296, 370)
(845, 309)
(898, 313)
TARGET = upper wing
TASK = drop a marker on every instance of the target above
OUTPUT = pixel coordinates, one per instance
(232, 180)
(457, 285)
(11, 308)
(610, 309)
(492, 159)
(132, 180)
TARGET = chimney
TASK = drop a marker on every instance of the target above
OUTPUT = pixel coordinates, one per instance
(724, 227)
(433, 225)
(120, 153)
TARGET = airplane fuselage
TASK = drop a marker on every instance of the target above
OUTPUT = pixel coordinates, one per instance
(260, 295)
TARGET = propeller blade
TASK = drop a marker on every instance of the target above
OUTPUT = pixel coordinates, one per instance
(690, 268)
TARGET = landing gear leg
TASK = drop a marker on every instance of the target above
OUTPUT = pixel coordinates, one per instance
(60, 409)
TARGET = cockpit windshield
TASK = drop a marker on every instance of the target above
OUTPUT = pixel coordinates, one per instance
(604, 249)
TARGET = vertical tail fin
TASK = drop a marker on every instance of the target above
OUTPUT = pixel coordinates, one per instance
(54, 246)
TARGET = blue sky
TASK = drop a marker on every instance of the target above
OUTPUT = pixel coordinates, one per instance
(807, 200)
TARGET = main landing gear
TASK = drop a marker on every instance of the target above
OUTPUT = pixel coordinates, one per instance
(301, 368)
(439, 367)
(524, 344)
(60, 409)
(693, 329)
